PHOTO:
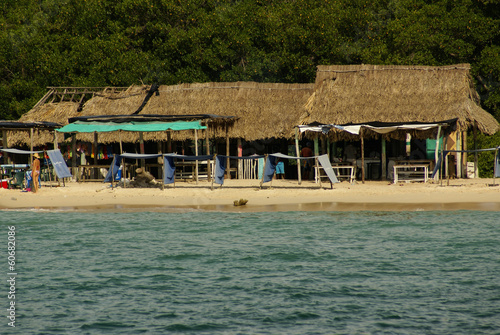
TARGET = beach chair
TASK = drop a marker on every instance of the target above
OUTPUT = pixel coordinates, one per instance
(17, 181)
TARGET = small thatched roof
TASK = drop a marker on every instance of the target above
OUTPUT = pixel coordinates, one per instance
(386, 93)
(262, 110)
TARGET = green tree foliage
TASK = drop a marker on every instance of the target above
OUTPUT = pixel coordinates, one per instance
(123, 42)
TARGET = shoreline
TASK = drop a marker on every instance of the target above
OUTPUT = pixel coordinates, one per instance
(280, 195)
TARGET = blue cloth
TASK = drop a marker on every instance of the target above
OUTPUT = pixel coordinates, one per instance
(280, 168)
(438, 163)
(220, 168)
(60, 167)
(113, 169)
(260, 168)
(168, 170)
(270, 168)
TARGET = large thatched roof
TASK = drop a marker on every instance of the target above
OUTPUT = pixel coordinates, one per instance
(368, 93)
(263, 110)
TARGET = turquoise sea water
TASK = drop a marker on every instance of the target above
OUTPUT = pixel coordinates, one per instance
(254, 273)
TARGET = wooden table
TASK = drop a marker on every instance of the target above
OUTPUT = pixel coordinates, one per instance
(411, 172)
(345, 171)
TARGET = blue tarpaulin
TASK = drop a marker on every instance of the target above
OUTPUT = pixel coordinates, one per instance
(113, 169)
(60, 167)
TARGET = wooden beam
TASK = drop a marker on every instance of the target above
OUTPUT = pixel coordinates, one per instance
(384, 160)
(73, 156)
(362, 158)
(196, 154)
(227, 153)
(297, 153)
(207, 144)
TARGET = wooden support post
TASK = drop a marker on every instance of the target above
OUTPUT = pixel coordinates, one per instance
(96, 141)
(384, 160)
(207, 144)
(196, 154)
(227, 154)
(436, 153)
(141, 148)
(73, 156)
(158, 149)
(169, 141)
(362, 158)
(5, 141)
(31, 155)
(464, 154)
(56, 145)
(459, 154)
(297, 153)
(95, 174)
(328, 151)
(316, 145)
(476, 160)
(240, 161)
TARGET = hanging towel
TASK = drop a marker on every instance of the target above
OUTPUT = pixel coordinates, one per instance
(168, 170)
(270, 168)
(220, 168)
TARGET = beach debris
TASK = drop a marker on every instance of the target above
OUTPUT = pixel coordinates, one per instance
(240, 202)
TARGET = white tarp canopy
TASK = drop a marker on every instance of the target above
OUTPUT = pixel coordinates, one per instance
(376, 127)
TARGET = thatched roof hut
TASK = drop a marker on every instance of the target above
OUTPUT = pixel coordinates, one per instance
(262, 110)
(353, 94)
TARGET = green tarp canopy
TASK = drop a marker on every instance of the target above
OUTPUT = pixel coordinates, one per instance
(101, 127)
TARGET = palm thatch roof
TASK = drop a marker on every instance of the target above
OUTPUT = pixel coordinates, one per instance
(354, 94)
(262, 110)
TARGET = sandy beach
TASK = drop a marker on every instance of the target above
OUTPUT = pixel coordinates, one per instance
(280, 195)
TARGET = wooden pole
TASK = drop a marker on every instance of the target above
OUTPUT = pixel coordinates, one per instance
(297, 152)
(207, 144)
(436, 153)
(362, 158)
(31, 155)
(227, 154)
(240, 161)
(459, 154)
(94, 172)
(384, 160)
(73, 154)
(6, 145)
(141, 148)
(196, 154)
(476, 160)
(169, 141)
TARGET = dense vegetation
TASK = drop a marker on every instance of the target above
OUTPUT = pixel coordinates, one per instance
(122, 42)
